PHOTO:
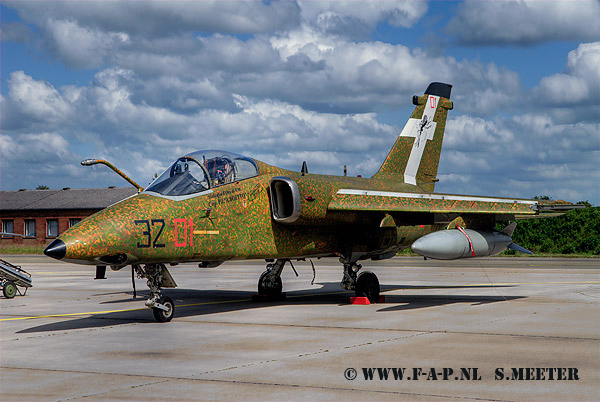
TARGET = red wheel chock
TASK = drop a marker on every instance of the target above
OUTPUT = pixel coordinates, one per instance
(365, 300)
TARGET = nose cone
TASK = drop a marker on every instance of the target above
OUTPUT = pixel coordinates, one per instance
(57, 249)
(443, 245)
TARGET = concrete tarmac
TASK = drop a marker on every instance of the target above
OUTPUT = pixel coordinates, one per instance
(457, 328)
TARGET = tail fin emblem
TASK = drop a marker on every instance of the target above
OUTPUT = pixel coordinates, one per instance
(422, 131)
(424, 126)
(415, 155)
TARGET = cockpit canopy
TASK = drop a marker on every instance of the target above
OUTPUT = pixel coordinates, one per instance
(202, 170)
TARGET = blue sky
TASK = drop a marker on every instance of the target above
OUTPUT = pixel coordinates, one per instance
(329, 82)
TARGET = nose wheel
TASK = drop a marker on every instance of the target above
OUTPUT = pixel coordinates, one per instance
(164, 310)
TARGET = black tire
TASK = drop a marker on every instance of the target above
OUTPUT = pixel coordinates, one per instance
(9, 289)
(162, 315)
(268, 291)
(367, 285)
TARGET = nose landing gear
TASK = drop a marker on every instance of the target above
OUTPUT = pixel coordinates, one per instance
(157, 277)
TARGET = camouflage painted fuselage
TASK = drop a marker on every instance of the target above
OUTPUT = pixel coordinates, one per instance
(357, 218)
(234, 221)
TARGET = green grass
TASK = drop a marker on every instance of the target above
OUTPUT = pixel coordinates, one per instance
(21, 249)
(407, 252)
(511, 253)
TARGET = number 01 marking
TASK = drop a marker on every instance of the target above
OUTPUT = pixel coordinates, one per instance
(185, 227)
(432, 102)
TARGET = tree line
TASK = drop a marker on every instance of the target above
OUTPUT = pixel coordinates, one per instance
(575, 232)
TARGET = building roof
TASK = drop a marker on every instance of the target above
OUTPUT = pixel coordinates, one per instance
(84, 198)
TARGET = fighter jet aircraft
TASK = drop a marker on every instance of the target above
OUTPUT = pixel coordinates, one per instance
(213, 206)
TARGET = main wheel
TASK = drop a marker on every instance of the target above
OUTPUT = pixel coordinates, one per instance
(162, 315)
(274, 289)
(9, 290)
(367, 285)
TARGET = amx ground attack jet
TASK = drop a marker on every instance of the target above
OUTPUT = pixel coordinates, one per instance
(213, 206)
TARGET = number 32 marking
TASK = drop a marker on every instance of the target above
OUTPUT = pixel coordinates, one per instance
(148, 232)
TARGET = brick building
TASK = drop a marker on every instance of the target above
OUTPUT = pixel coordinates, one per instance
(39, 216)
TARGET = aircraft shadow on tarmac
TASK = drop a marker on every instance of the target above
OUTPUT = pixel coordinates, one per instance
(193, 303)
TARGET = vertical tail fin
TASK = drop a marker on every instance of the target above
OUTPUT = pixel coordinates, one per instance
(415, 156)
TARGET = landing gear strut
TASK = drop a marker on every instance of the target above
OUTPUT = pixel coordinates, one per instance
(364, 284)
(270, 284)
(158, 276)
(350, 271)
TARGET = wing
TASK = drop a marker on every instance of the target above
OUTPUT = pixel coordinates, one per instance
(387, 201)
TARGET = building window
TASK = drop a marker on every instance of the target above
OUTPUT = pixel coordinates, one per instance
(30, 227)
(8, 226)
(74, 221)
(52, 225)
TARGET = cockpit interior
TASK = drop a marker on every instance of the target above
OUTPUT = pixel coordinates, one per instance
(201, 171)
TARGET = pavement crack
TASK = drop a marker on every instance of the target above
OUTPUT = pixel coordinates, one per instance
(476, 333)
(164, 380)
(310, 354)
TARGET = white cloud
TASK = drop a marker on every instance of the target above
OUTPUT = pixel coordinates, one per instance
(33, 149)
(476, 135)
(32, 159)
(580, 85)
(355, 18)
(525, 22)
(301, 65)
(139, 137)
(372, 75)
(82, 47)
(523, 155)
(35, 101)
(112, 117)
(290, 93)
(153, 18)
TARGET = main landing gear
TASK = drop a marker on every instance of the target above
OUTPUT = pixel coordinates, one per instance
(364, 284)
(157, 277)
(269, 283)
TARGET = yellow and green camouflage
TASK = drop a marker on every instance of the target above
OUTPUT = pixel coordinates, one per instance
(267, 212)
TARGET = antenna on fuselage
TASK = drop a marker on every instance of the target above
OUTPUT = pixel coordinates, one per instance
(304, 169)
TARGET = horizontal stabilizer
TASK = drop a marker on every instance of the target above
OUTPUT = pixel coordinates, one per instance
(548, 206)
(543, 215)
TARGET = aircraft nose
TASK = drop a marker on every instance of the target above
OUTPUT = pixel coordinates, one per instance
(57, 249)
